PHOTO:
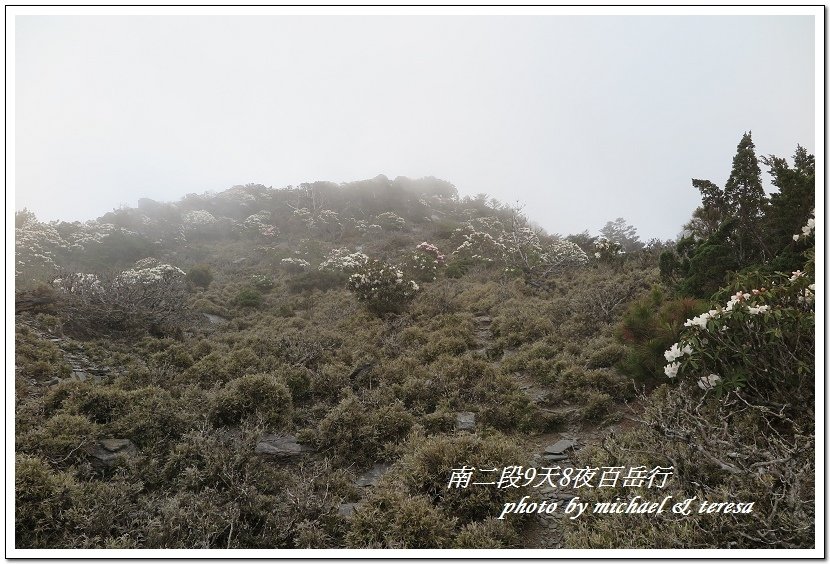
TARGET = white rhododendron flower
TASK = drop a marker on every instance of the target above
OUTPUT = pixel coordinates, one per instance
(708, 382)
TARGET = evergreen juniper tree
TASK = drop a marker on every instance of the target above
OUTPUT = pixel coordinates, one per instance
(745, 198)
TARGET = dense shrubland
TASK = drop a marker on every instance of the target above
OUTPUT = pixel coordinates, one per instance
(737, 418)
(350, 316)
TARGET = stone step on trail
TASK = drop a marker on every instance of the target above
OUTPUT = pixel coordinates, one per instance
(371, 477)
(281, 446)
(560, 446)
(465, 421)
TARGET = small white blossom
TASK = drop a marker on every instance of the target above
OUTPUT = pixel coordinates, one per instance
(708, 382)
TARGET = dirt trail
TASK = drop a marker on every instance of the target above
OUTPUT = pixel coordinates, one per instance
(550, 449)
(81, 366)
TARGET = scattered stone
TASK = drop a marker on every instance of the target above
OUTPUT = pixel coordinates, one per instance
(465, 421)
(555, 457)
(106, 451)
(282, 446)
(215, 319)
(484, 319)
(361, 370)
(371, 477)
(346, 509)
(560, 446)
(115, 445)
(80, 375)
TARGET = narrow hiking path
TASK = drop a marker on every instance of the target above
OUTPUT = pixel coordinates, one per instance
(549, 449)
(81, 366)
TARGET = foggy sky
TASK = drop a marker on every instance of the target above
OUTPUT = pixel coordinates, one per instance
(581, 119)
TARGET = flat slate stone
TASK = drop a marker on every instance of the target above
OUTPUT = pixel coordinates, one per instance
(555, 457)
(346, 509)
(114, 445)
(560, 446)
(283, 446)
(465, 421)
(215, 319)
(371, 477)
(106, 451)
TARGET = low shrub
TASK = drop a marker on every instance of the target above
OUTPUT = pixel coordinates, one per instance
(200, 276)
(261, 397)
(248, 297)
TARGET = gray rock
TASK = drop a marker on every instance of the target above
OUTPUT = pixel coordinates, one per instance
(80, 375)
(115, 445)
(281, 446)
(560, 446)
(371, 477)
(215, 319)
(465, 421)
(107, 451)
(346, 509)
(555, 457)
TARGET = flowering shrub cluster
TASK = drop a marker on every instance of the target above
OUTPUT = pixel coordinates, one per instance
(149, 275)
(262, 282)
(606, 249)
(365, 228)
(40, 247)
(150, 295)
(382, 287)
(343, 260)
(519, 249)
(760, 340)
(807, 230)
(34, 246)
(294, 265)
(423, 264)
(391, 221)
(79, 283)
(258, 224)
(197, 219)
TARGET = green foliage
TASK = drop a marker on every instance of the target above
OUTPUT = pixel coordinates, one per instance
(42, 498)
(648, 328)
(262, 282)
(621, 233)
(200, 276)
(322, 280)
(489, 533)
(606, 357)
(248, 297)
(359, 430)
(426, 469)
(258, 397)
(392, 519)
